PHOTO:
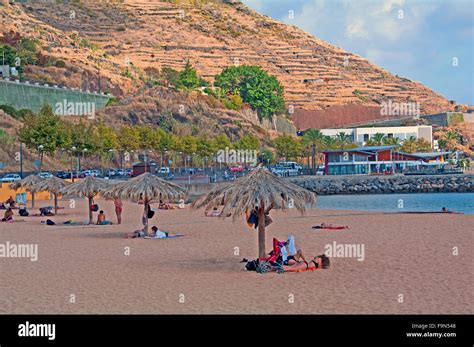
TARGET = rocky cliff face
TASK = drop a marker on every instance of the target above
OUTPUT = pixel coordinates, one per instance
(112, 35)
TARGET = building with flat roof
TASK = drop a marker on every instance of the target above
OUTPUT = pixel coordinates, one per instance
(362, 134)
(378, 160)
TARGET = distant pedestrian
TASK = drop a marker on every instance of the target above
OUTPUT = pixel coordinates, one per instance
(118, 210)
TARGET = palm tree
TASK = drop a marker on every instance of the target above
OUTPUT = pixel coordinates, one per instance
(313, 138)
(261, 189)
(409, 145)
(329, 143)
(451, 140)
(343, 140)
(376, 140)
(392, 141)
(423, 145)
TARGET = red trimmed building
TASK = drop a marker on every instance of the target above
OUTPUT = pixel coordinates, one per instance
(377, 160)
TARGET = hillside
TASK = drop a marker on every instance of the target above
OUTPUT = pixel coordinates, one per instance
(106, 37)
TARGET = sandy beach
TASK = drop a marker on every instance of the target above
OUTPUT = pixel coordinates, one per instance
(408, 255)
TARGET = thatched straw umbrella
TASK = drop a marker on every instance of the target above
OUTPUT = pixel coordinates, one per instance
(27, 182)
(52, 185)
(146, 187)
(261, 189)
(88, 187)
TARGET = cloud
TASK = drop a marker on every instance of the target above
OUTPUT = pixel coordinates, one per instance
(357, 29)
(413, 38)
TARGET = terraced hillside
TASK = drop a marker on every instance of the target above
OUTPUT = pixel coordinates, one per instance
(106, 37)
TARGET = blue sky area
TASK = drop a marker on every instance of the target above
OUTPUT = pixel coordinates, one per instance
(416, 39)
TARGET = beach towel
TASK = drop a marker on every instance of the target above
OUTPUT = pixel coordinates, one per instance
(161, 238)
(71, 222)
(330, 227)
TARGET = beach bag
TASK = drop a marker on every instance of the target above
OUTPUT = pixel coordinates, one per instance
(23, 212)
(253, 218)
(252, 265)
(45, 211)
(50, 222)
(94, 207)
(151, 213)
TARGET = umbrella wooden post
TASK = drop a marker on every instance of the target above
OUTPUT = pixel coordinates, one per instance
(91, 219)
(32, 200)
(261, 231)
(55, 204)
(145, 227)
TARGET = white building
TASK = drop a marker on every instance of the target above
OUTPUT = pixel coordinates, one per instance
(362, 135)
(4, 71)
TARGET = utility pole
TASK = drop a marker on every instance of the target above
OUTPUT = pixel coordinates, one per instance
(21, 159)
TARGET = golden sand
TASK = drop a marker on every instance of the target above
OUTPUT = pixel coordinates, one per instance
(409, 265)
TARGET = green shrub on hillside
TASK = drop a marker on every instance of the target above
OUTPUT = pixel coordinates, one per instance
(256, 87)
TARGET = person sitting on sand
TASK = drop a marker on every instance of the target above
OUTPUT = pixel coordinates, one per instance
(46, 211)
(444, 209)
(8, 216)
(101, 219)
(10, 201)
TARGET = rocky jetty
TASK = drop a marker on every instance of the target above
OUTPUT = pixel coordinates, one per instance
(330, 185)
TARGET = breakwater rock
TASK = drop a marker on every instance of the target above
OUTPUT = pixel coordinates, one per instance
(330, 185)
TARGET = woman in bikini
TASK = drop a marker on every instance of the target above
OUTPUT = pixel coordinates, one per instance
(118, 210)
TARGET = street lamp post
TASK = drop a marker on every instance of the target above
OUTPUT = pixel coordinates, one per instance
(111, 151)
(73, 149)
(21, 159)
(40, 151)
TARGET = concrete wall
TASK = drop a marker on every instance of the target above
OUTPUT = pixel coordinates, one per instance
(33, 97)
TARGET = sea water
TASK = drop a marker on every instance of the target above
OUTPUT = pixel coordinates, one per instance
(459, 202)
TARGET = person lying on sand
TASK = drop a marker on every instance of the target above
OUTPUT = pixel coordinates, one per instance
(165, 206)
(45, 212)
(285, 257)
(135, 234)
(155, 234)
(159, 234)
(329, 226)
(216, 213)
(8, 216)
(101, 219)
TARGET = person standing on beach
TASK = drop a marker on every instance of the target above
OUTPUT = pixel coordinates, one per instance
(118, 210)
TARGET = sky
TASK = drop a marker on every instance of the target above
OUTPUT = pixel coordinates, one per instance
(429, 41)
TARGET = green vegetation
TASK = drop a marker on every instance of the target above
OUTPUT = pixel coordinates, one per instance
(18, 51)
(99, 139)
(13, 112)
(256, 87)
(456, 118)
(360, 95)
